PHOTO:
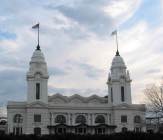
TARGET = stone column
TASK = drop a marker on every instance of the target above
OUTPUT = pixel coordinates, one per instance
(108, 118)
(93, 123)
(89, 119)
(54, 115)
(72, 119)
(52, 119)
(69, 119)
(93, 119)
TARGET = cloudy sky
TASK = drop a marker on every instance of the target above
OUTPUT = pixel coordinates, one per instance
(75, 38)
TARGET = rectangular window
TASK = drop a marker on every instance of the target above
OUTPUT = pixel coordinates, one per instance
(124, 119)
(37, 118)
(122, 94)
(37, 91)
(111, 95)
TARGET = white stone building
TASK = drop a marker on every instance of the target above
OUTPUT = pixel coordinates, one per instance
(43, 114)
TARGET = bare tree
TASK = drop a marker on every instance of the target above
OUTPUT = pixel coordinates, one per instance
(154, 95)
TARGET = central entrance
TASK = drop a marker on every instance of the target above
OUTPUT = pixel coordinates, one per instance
(60, 130)
(80, 130)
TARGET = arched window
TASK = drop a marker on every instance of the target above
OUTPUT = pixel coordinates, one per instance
(80, 119)
(18, 118)
(137, 119)
(37, 131)
(60, 119)
(100, 119)
(124, 129)
(3, 122)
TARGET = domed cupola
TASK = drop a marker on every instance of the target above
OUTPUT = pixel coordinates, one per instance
(118, 62)
(37, 64)
(118, 67)
(119, 82)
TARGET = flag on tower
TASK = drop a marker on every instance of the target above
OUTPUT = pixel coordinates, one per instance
(114, 32)
(35, 26)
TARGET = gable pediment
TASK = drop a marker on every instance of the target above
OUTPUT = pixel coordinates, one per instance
(58, 99)
(94, 99)
(76, 99)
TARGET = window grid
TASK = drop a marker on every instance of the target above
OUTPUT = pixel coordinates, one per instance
(124, 119)
(37, 118)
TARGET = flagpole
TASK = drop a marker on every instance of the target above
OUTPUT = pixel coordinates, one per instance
(38, 46)
(117, 53)
(38, 35)
(117, 41)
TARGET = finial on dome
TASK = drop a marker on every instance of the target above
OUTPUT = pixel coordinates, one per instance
(117, 53)
(38, 47)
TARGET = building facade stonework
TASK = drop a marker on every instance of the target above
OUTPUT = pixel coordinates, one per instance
(43, 114)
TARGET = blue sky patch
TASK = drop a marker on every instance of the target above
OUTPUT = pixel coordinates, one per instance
(7, 35)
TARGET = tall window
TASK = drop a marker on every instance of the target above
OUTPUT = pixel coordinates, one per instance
(37, 118)
(111, 95)
(37, 91)
(124, 119)
(122, 94)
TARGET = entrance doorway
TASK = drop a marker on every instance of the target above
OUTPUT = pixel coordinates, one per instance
(37, 131)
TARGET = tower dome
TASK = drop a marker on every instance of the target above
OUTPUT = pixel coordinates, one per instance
(38, 64)
(37, 56)
(118, 62)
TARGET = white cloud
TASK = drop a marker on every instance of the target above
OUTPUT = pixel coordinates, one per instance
(121, 10)
(142, 49)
